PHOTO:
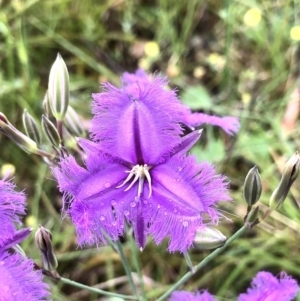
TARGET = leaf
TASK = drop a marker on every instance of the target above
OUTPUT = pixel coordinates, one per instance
(213, 152)
(197, 97)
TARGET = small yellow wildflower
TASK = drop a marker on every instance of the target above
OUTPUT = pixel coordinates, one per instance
(7, 168)
(246, 98)
(295, 33)
(31, 221)
(152, 49)
(216, 60)
(252, 17)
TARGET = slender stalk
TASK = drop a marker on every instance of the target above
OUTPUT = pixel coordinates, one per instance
(203, 263)
(189, 262)
(59, 125)
(45, 154)
(126, 265)
(136, 263)
(95, 290)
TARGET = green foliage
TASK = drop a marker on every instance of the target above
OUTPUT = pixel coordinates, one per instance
(220, 65)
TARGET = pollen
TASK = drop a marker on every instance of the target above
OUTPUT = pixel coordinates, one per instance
(138, 173)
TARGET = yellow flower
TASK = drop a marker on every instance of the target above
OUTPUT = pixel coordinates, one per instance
(295, 33)
(252, 17)
(246, 98)
(152, 49)
(7, 168)
(31, 221)
(216, 60)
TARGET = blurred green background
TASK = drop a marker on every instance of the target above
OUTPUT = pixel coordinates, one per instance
(237, 58)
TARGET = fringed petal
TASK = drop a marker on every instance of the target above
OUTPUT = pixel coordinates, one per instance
(184, 194)
(267, 287)
(12, 206)
(138, 126)
(183, 145)
(16, 238)
(229, 124)
(19, 281)
(140, 76)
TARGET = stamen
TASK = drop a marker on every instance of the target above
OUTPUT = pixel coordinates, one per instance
(140, 172)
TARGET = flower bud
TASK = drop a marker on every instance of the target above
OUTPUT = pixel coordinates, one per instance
(252, 186)
(51, 131)
(251, 218)
(289, 175)
(31, 127)
(24, 142)
(58, 88)
(43, 240)
(209, 238)
(46, 105)
(72, 122)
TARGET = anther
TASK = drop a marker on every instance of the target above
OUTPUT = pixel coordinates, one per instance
(139, 172)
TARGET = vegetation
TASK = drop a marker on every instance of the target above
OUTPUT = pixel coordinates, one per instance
(227, 57)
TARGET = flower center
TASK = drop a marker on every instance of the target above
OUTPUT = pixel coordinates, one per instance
(139, 172)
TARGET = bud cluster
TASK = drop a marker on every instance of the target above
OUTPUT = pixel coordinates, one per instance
(57, 111)
(253, 189)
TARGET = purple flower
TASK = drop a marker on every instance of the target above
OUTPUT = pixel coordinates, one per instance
(137, 168)
(188, 296)
(12, 205)
(229, 124)
(266, 287)
(18, 280)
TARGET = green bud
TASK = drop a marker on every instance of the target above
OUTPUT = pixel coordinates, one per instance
(209, 238)
(31, 127)
(46, 105)
(24, 142)
(58, 88)
(289, 175)
(51, 132)
(73, 123)
(251, 218)
(252, 186)
(43, 240)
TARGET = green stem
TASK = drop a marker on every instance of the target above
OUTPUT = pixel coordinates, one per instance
(59, 125)
(95, 290)
(136, 263)
(189, 262)
(203, 263)
(126, 265)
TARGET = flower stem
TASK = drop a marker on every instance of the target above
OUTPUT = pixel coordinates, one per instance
(126, 265)
(136, 263)
(189, 262)
(204, 262)
(95, 290)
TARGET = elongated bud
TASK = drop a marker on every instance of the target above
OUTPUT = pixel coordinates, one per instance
(251, 218)
(31, 128)
(24, 142)
(58, 88)
(46, 105)
(209, 238)
(43, 240)
(252, 186)
(289, 175)
(73, 124)
(51, 131)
